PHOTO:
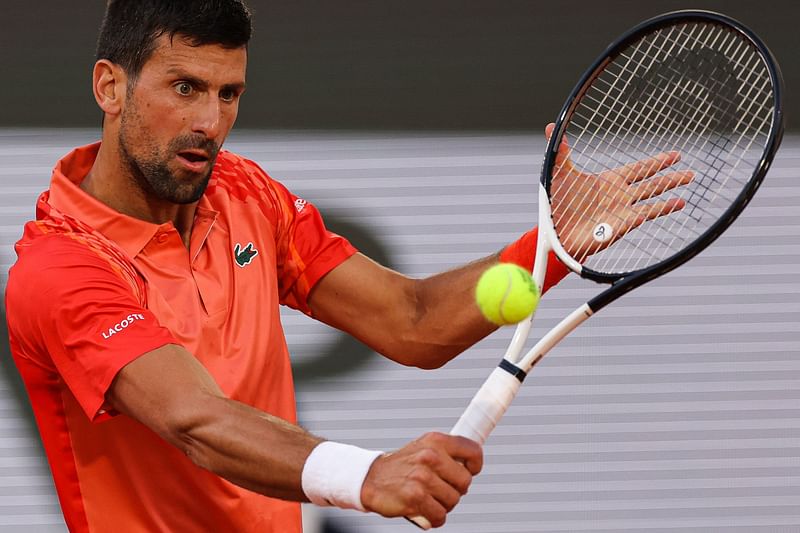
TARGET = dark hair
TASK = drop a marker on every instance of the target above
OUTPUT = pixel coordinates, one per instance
(131, 27)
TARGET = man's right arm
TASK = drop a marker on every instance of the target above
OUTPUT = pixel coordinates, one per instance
(61, 295)
(169, 391)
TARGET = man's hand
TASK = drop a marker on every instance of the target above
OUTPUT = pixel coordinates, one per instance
(427, 477)
(581, 200)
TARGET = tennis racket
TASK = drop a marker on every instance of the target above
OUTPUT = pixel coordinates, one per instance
(660, 146)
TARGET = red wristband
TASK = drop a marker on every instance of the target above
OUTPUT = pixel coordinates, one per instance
(523, 251)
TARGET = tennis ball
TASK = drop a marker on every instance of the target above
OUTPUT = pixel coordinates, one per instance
(506, 294)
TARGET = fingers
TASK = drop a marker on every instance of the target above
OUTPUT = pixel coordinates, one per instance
(645, 168)
(452, 461)
(661, 184)
(657, 209)
(563, 162)
(467, 452)
(425, 478)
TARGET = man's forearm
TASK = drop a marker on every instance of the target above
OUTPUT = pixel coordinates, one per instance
(250, 448)
(448, 321)
(169, 391)
(273, 457)
(415, 322)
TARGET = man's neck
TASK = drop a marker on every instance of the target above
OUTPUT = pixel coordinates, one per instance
(111, 184)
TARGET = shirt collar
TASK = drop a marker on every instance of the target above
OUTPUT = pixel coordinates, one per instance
(132, 234)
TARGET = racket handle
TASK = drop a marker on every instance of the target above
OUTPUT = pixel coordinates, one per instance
(488, 406)
(482, 415)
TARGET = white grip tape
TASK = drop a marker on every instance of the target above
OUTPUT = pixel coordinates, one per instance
(482, 415)
(334, 473)
(488, 406)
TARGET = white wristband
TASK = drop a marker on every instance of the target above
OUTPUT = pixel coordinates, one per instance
(334, 473)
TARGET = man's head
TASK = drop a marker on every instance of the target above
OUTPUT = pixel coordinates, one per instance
(168, 76)
(131, 28)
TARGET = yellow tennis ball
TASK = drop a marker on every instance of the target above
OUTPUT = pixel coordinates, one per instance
(506, 294)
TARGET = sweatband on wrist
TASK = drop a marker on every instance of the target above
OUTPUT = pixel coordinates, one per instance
(522, 252)
(334, 474)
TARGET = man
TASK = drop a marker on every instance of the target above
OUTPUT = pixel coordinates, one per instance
(143, 308)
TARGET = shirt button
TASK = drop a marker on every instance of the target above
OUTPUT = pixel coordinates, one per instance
(162, 238)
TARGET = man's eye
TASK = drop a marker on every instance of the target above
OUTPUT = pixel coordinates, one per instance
(227, 95)
(183, 88)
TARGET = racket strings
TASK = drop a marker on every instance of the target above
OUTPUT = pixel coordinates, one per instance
(649, 118)
(660, 114)
(640, 198)
(718, 82)
(713, 154)
(716, 151)
(578, 214)
(713, 104)
(723, 167)
(702, 190)
(609, 129)
(726, 111)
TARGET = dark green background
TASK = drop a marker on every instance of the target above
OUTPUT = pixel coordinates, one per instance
(412, 64)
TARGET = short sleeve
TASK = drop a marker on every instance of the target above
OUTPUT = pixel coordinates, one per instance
(70, 310)
(306, 250)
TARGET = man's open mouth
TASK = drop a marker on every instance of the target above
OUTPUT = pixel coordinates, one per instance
(194, 156)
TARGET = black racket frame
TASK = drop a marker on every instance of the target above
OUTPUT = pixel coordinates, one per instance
(623, 283)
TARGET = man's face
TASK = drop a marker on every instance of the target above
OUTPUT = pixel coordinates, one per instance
(176, 116)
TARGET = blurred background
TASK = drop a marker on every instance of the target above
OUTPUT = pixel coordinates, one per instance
(416, 127)
(360, 64)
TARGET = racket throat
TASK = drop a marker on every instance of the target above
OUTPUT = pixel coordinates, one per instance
(513, 369)
(554, 336)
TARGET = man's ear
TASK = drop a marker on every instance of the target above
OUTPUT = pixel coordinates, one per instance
(109, 84)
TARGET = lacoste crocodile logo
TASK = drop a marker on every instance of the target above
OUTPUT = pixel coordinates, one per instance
(244, 257)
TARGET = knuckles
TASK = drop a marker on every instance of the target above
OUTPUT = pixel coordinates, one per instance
(414, 495)
(428, 457)
(423, 477)
(435, 438)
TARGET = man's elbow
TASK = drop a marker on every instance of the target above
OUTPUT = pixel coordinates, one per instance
(421, 355)
(187, 428)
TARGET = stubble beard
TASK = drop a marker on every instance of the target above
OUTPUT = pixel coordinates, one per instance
(149, 168)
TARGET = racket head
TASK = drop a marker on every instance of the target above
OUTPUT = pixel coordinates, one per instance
(696, 82)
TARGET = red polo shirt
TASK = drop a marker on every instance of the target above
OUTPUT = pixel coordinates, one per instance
(93, 289)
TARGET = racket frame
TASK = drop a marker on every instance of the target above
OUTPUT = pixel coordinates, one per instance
(626, 282)
(496, 394)
(636, 278)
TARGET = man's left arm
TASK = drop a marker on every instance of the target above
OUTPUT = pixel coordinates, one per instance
(416, 322)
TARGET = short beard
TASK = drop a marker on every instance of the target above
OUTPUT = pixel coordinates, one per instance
(152, 174)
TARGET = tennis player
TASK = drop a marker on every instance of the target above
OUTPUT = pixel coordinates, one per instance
(143, 308)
